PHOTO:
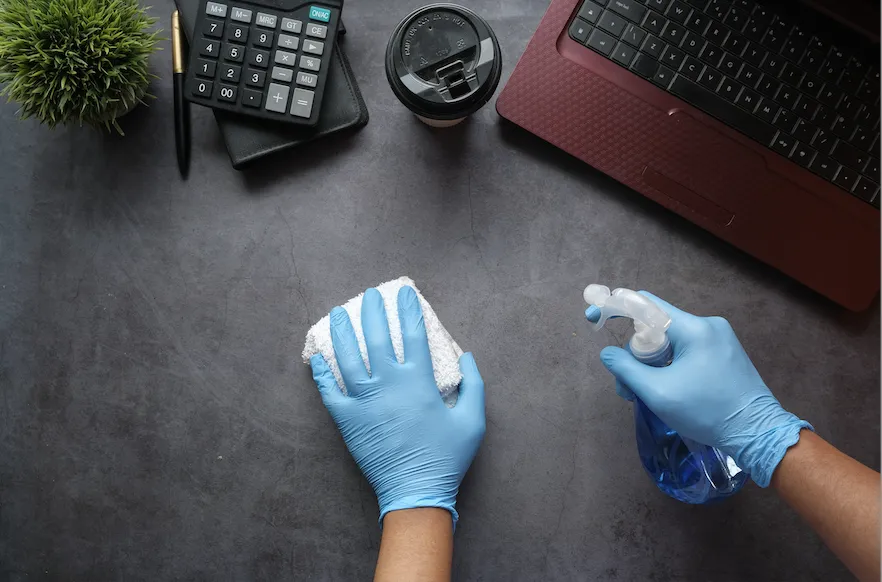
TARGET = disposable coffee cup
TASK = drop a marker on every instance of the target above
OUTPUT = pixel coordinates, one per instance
(443, 63)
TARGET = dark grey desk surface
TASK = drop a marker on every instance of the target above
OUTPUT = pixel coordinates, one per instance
(157, 423)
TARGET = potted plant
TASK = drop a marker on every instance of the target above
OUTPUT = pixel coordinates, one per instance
(83, 61)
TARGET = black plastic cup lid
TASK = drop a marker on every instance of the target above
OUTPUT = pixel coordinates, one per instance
(443, 62)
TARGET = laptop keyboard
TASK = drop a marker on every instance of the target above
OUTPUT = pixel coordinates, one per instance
(758, 72)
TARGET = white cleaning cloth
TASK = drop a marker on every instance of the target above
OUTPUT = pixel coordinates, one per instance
(445, 351)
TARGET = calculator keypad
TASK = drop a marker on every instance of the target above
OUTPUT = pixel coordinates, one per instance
(238, 48)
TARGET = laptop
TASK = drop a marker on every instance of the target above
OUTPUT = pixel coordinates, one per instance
(758, 121)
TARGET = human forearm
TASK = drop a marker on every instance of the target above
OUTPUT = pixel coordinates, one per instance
(838, 497)
(417, 545)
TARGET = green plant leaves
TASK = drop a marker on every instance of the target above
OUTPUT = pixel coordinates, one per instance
(82, 61)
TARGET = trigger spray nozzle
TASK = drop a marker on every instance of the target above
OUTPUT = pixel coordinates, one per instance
(650, 321)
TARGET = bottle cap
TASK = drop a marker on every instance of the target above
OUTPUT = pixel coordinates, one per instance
(443, 62)
(650, 322)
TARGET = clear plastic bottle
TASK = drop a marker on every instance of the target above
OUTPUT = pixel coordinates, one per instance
(682, 468)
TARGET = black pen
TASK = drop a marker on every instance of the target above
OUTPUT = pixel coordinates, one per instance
(182, 106)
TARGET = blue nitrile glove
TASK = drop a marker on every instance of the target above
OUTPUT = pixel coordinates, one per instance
(412, 449)
(711, 392)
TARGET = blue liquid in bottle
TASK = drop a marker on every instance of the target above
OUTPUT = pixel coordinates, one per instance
(681, 468)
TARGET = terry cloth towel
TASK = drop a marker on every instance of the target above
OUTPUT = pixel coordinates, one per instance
(444, 350)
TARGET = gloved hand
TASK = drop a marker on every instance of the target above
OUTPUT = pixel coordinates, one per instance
(711, 392)
(412, 449)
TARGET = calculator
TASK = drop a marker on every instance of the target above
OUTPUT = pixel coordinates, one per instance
(264, 58)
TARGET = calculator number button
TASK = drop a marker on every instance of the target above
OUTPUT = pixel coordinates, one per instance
(283, 74)
(264, 39)
(313, 47)
(202, 88)
(209, 48)
(237, 33)
(255, 78)
(234, 53)
(213, 28)
(317, 30)
(291, 25)
(226, 93)
(241, 15)
(301, 103)
(289, 42)
(206, 68)
(216, 9)
(231, 73)
(310, 63)
(266, 20)
(258, 58)
(252, 98)
(277, 98)
(307, 79)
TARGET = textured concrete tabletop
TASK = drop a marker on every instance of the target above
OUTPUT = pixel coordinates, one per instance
(157, 423)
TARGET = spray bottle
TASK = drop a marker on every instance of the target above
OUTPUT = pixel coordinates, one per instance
(680, 467)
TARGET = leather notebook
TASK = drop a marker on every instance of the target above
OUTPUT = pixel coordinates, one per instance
(250, 139)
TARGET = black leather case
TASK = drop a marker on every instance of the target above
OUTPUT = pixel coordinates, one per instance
(248, 139)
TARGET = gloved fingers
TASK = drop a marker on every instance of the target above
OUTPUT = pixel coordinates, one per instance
(592, 314)
(376, 332)
(347, 351)
(327, 385)
(413, 328)
(640, 378)
(470, 403)
(624, 391)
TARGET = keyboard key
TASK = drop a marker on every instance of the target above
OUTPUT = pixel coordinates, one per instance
(762, 15)
(773, 41)
(579, 30)
(749, 76)
(747, 99)
(794, 48)
(258, 58)
(735, 44)
(231, 73)
(783, 144)
(755, 30)
(237, 33)
(843, 127)
(601, 42)
(768, 86)
(849, 107)
(806, 108)
(672, 57)
(255, 78)
(663, 77)
(234, 53)
(213, 28)
(811, 86)
(673, 33)
(729, 89)
(824, 118)
(678, 12)
(692, 68)
(850, 156)
(203, 88)
(692, 43)
(829, 72)
(654, 22)
(590, 12)
(624, 54)
(659, 5)
(846, 178)
(863, 138)
(824, 167)
(787, 97)
(830, 95)
(633, 35)
(252, 98)
(786, 120)
(754, 54)
(767, 110)
(206, 68)
(872, 169)
(773, 65)
(716, 33)
(736, 18)
(711, 78)
(612, 22)
(837, 57)
(227, 93)
(824, 142)
(717, 8)
(653, 47)
(791, 75)
(711, 54)
(630, 9)
(802, 154)
(264, 39)
(277, 98)
(209, 48)
(869, 90)
(697, 22)
(812, 60)
(644, 65)
(865, 189)
(729, 65)
(805, 131)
